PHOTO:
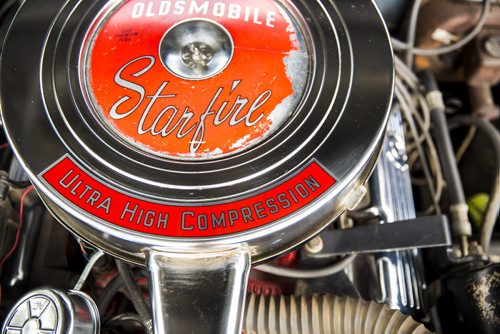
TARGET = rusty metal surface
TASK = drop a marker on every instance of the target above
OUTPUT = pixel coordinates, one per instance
(482, 102)
(456, 18)
(482, 66)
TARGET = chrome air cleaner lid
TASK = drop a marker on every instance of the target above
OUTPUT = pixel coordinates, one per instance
(192, 124)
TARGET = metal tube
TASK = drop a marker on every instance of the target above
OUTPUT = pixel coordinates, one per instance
(88, 269)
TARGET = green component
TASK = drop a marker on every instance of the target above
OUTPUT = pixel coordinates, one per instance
(477, 207)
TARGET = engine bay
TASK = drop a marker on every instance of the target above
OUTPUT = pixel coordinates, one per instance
(274, 166)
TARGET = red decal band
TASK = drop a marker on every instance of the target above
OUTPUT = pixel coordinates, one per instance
(130, 212)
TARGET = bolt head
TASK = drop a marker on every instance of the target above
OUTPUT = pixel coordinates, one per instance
(315, 246)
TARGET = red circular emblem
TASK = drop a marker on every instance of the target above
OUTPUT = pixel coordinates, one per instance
(196, 79)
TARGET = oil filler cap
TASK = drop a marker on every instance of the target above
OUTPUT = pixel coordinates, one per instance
(53, 311)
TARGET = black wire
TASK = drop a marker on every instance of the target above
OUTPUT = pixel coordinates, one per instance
(18, 184)
(136, 295)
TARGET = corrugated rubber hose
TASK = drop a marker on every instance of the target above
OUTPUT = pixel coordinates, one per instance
(324, 314)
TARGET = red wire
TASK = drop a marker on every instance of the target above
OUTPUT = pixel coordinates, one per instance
(18, 233)
(4, 146)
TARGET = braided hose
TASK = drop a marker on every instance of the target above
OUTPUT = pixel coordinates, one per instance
(324, 315)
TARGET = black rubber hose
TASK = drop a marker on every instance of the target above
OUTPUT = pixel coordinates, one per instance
(461, 226)
(130, 321)
(444, 145)
(136, 295)
(491, 214)
(108, 293)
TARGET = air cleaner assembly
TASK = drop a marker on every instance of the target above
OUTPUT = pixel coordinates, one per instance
(196, 137)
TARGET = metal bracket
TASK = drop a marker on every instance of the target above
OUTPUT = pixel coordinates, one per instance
(424, 232)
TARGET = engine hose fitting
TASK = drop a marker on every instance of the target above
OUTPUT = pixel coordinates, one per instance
(459, 214)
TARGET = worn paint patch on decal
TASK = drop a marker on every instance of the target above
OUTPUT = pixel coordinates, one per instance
(69, 180)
